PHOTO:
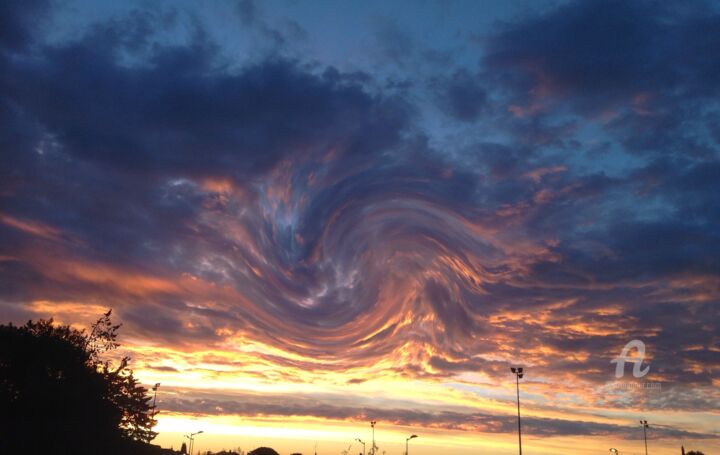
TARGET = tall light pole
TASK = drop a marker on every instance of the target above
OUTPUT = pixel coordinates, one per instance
(406, 442)
(192, 440)
(372, 449)
(199, 432)
(361, 442)
(155, 389)
(518, 372)
(645, 426)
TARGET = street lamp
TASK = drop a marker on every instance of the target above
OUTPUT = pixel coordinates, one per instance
(155, 389)
(518, 372)
(374, 447)
(193, 445)
(191, 437)
(406, 442)
(361, 442)
(615, 451)
(645, 426)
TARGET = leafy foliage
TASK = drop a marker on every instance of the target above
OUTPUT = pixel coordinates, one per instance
(57, 391)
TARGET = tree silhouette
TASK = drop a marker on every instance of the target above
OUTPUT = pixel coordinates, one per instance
(263, 451)
(695, 452)
(58, 394)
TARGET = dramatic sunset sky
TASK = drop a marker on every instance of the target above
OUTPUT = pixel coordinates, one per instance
(308, 215)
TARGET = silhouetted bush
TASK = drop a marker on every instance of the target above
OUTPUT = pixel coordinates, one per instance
(57, 395)
(263, 451)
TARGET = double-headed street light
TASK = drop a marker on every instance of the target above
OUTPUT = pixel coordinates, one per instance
(361, 442)
(645, 426)
(518, 371)
(374, 447)
(191, 437)
(406, 442)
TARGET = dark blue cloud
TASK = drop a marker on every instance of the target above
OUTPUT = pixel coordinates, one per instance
(610, 50)
(645, 69)
(18, 20)
(160, 114)
(462, 95)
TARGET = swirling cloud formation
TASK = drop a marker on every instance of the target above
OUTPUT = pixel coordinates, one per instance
(271, 220)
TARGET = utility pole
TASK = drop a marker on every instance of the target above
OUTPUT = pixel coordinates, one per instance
(518, 375)
(372, 449)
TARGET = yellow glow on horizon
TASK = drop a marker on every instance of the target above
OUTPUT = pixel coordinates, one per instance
(289, 435)
(235, 367)
(292, 429)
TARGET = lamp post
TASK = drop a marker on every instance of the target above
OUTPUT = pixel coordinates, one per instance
(193, 445)
(645, 426)
(155, 389)
(372, 449)
(406, 442)
(518, 372)
(191, 437)
(361, 442)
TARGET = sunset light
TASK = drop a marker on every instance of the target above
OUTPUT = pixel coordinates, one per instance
(359, 227)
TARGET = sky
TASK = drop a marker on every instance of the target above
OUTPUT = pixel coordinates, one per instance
(310, 215)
